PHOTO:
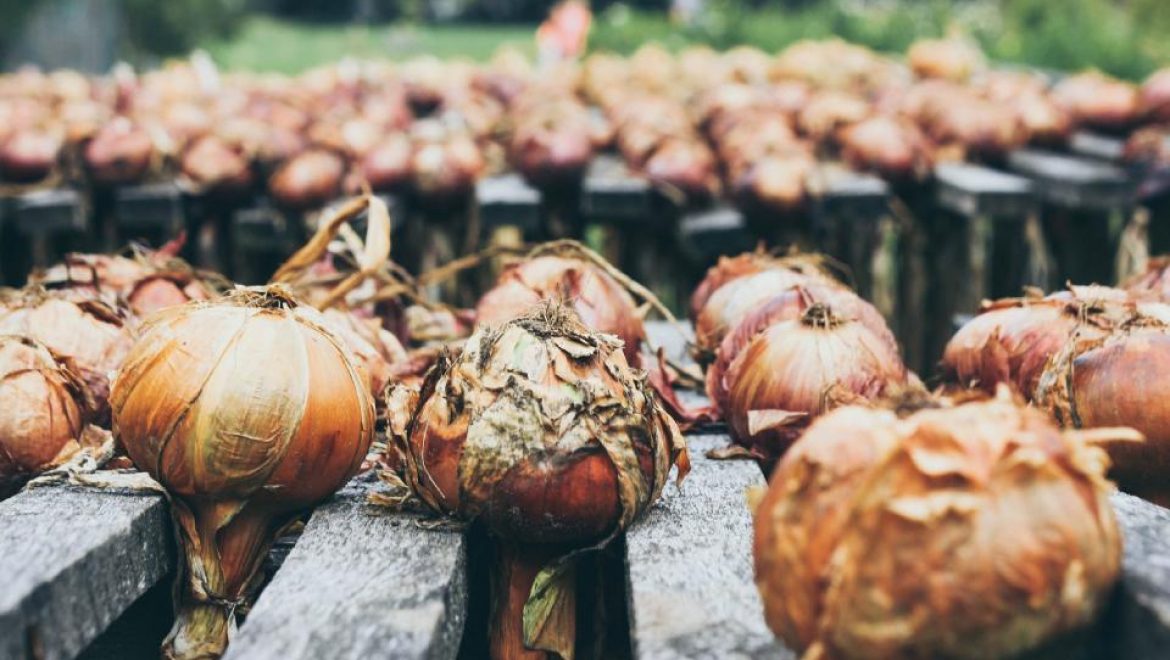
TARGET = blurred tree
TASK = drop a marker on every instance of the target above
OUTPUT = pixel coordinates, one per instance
(167, 27)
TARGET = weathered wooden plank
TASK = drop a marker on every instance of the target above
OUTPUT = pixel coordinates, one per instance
(973, 190)
(850, 193)
(1073, 182)
(59, 210)
(612, 192)
(708, 233)
(1096, 145)
(71, 561)
(508, 200)
(358, 585)
(150, 206)
(1140, 617)
(691, 586)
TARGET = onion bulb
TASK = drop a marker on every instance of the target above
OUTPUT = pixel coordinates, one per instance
(566, 271)
(46, 407)
(541, 430)
(735, 286)
(29, 156)
(973, 531)
(120, 154)
(798, 369)
(308, 180)
(1011, 340)
(89, 333)
(248, 411)
(1115, 379)
(786, 306)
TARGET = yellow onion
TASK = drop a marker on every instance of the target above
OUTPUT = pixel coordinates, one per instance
(566, 271)
(973, 531)
(1011, 340)
(89, 333)
(1114, 379)
(789, 305)
(735, 286)
(46, 407)
(798, 369)
(248, 411)
(542, 431)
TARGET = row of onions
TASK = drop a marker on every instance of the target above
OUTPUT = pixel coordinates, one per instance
(897, 522)
(742, 121)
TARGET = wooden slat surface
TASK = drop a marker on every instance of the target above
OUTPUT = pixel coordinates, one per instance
(71, 561)
(508, 200)
(1071, 181)
(974, 190)
(358, 585)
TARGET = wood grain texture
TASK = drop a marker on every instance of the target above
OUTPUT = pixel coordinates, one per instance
(358, 585)
(71, 561)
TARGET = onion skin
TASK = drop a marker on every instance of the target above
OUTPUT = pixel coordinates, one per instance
(787, 306)
(1011, 340)
(796, 370)
(599, 301)
(1155, 96)
(90, 334)
(387, 166)
(120, 154)
(974, 531)
(949, 59)
(1154, 282)
(734, 287)
(1118, 380)
(893, 148)
(309, 180)
(552, 150)
(1099, 101)
(247, 411)
(46, 408)
(685, 165)
(159, 291)
(29, 156)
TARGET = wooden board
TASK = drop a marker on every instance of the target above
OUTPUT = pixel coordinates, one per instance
(973, 190)
(71, 561)
(508, 200)
(358, 585)
(1073, 182)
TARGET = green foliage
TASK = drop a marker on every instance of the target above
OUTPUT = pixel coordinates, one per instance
(169, 27)
(1125, 39)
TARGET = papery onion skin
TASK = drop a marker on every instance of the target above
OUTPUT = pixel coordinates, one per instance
(89, 333)
(247, 410)
(45, 409)
(507, 433)
(738, 297)
(803, 368)
(120, 154)
(976, 531)
(1011, 340)
(600, 302)
(1115, 380)
(786, 306)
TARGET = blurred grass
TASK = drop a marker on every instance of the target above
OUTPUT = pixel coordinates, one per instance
(268, 44)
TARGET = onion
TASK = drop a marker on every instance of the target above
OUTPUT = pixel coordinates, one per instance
(829, 111)
(377, 351)
(949, 59)
(685, 165)
(309, 180)
(1099, 101)
(89, 333)
(216, 167)
(1011, 340)
(1155, 96)
(248, 412)
(1154, 282)
(798, 369)
(120, 154)
(552, 148)
(892, 147)
(735, 286)
(542, 431)
(973, 531)
(46, 407)
(444, 172)
(29, 156)
(387, 166)
(787, 306)
(1115, 379)
(599, 300)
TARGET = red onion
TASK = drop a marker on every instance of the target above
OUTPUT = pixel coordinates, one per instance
(309, 180)
(120, 153)
(28, 156)
(216, 167)
(387, 166)
(1155, 96)
(798, 369)
(892, 147)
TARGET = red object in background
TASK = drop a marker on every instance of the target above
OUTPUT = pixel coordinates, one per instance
(564, 34)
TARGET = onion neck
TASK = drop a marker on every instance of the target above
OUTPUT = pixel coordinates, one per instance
(820, 315)
(222, 547)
